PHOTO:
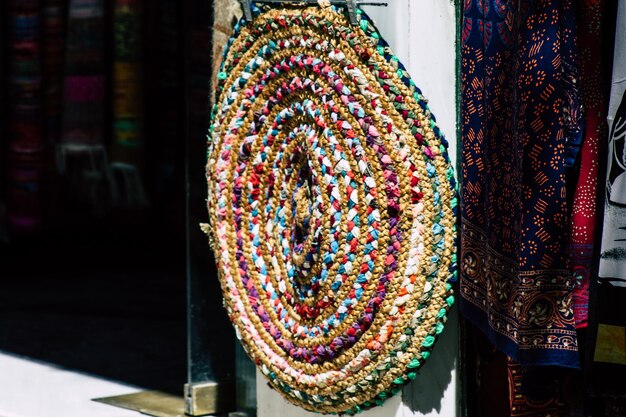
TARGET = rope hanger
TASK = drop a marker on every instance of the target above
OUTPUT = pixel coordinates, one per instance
(351, 6)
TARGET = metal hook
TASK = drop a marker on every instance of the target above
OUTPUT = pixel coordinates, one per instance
(351, 6)
(246, 5)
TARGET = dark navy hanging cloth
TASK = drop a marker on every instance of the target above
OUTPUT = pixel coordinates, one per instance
(521, 131)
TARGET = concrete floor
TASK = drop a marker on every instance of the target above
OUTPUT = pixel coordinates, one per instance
(34, 389)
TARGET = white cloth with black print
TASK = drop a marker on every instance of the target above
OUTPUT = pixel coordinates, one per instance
(613, 252)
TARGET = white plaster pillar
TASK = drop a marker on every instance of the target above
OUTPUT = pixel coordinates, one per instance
(422, 34)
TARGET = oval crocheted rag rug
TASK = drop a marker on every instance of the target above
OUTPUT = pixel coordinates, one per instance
(332, 206)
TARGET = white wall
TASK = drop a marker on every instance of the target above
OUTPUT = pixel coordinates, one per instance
(422, 34)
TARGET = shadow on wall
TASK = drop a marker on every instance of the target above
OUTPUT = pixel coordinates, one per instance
(425, 394)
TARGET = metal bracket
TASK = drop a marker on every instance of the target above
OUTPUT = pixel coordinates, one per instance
(246, 5)
(351, 6)
(209, 398)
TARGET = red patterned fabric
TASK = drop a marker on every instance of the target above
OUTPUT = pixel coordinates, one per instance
(593, 88)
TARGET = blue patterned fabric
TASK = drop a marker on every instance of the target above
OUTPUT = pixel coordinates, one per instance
(521, 127)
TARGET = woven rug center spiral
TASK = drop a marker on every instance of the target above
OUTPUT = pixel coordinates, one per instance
(332, 208)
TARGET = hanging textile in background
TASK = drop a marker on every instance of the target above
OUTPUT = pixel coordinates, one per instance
(127, 76)
(81, 154)
(593, 82)
(613, 253)
(331, 199)
(25, 142)
(84, 84)
(53, 38)
(609, 353)
(521, 125)
(127, 147)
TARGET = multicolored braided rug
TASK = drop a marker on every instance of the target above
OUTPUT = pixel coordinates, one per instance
(332, 206)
